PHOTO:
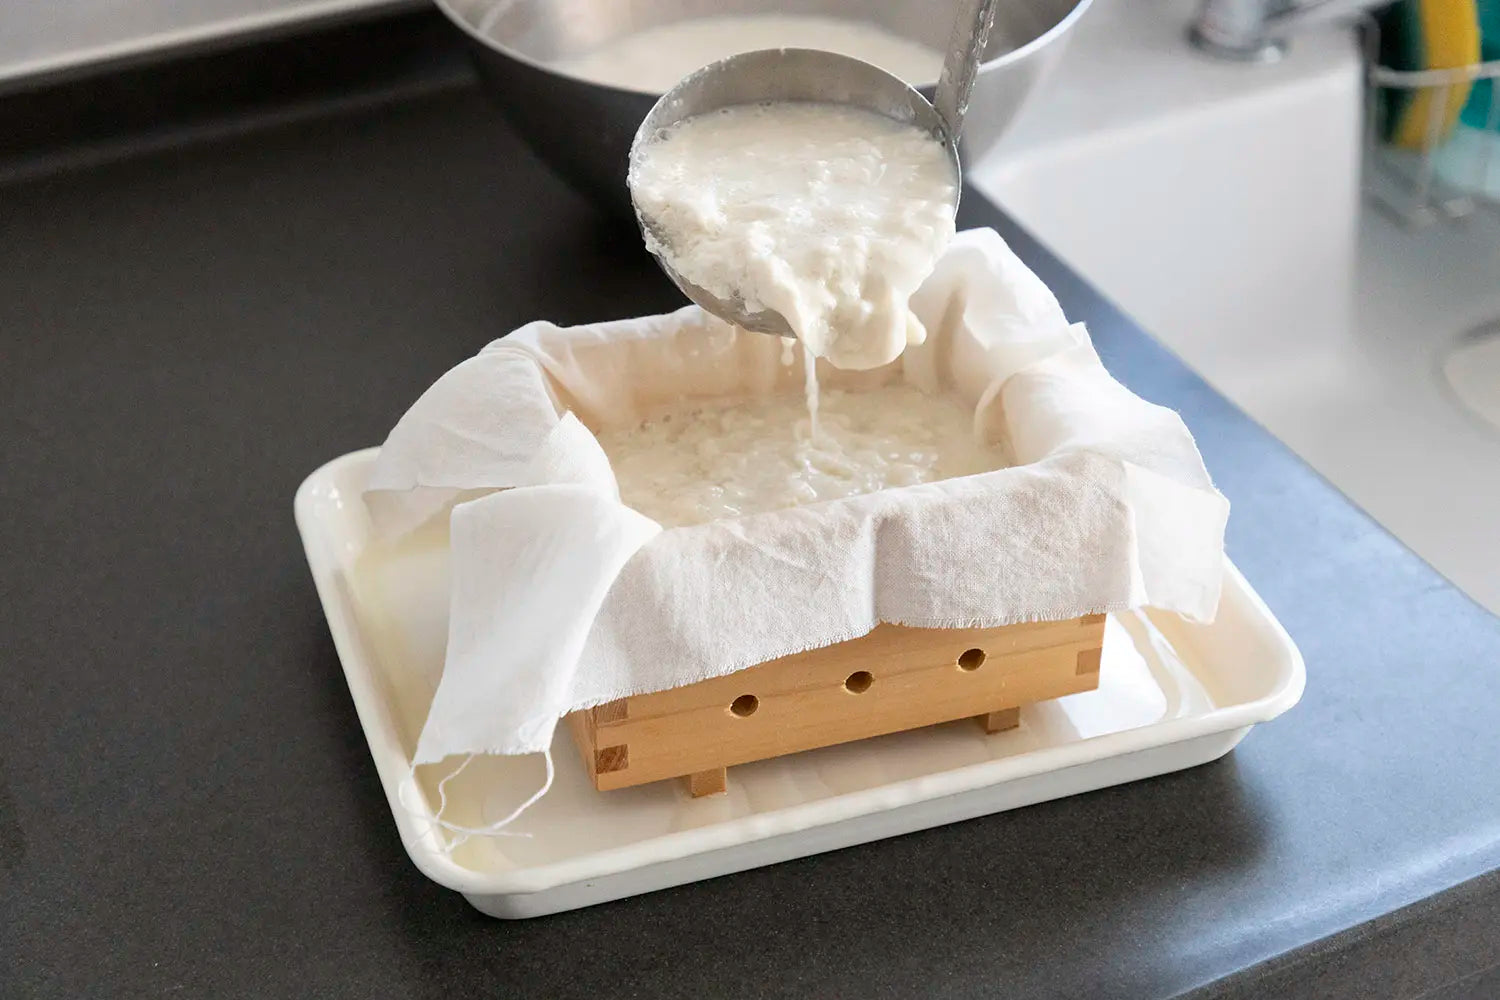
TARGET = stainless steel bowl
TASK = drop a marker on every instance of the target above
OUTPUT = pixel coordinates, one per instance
(583, 129)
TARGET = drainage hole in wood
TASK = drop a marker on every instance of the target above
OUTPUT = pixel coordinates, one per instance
(858, 682)
(744, 705)
(970, 659)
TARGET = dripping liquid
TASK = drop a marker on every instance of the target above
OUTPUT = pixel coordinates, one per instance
(810, 389)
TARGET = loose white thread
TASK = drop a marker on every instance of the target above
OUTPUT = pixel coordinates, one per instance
(435, 819)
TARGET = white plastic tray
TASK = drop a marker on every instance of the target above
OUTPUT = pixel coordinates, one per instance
(1171, 695)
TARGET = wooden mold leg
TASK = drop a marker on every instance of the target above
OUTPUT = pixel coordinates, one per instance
(714, 781)
(1006, 718)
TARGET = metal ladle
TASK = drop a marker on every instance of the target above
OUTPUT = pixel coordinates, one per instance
(812, 75)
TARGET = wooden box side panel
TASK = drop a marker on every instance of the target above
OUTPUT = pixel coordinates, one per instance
(890, 680)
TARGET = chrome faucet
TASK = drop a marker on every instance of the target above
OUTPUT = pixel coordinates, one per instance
(1257, 30)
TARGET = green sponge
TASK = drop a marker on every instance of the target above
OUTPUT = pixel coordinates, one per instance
(1477, 111)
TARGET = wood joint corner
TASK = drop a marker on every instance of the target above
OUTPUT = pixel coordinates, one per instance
(611, 711)
(1088, 661)
(615, 758)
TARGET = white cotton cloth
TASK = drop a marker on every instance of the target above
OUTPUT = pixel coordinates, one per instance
(562, 597)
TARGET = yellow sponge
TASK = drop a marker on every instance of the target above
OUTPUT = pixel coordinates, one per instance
(1427, 34)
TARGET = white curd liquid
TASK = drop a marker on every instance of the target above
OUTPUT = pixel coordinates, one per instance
(827, 214)
(693, 463)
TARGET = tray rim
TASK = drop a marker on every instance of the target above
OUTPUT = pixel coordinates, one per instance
(318, 493)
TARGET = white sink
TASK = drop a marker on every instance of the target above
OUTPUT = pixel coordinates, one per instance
(1219, 205)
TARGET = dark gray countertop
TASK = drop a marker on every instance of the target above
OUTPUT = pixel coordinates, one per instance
(58, 39)
(186, 800)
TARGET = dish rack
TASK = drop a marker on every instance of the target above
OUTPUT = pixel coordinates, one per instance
(1405, 182)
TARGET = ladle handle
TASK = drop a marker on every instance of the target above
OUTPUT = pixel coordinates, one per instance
(971, 32)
